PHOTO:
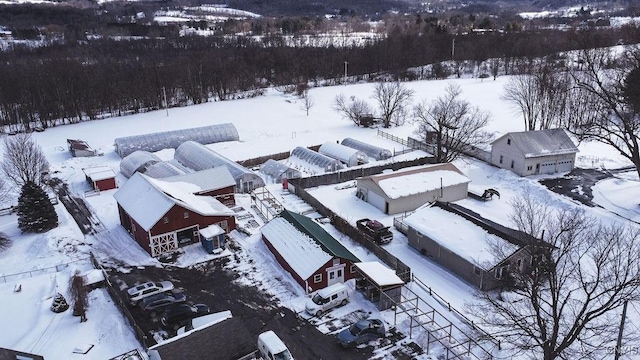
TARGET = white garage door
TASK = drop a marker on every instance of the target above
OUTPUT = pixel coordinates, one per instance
(565, 165)
(376, 200)
(547, 168)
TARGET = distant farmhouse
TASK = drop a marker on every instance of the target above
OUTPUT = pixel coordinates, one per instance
(465, 246)
(163, 215)
(408, 189)
(534, 152)
(313, 257)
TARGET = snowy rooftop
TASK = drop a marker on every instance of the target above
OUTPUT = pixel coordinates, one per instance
(542, 142)
(418, 180)
(211, 231)
(380, 274)
(300, 251)
(207, 180)
(458, 235)
(98, 173)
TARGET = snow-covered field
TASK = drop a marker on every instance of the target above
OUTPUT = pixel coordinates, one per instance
(269, 124)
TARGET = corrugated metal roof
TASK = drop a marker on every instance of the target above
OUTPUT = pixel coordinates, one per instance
(541, 142)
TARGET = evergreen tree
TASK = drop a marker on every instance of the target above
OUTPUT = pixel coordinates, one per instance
(35, 211)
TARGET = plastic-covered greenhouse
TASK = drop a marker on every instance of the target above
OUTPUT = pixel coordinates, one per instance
(138, 161)
(199, 157)
(164, 169)
(347, 155)
(375, 152)
(278, 171)
(326, 163)
(172, 139)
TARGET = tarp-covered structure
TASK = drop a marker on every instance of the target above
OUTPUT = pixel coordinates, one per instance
(372, 151)
(172, 139)
(348, 156)
(278, 171)
(164, 169)
(199, 157)
(311, 157)
(138, 161)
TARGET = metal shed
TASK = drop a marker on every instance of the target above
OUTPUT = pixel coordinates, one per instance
(199, 157)
(311, 157)
(345, 154)
(278, 171)
(138, 161)
(164, 169)
(372, 151)
(172, 139)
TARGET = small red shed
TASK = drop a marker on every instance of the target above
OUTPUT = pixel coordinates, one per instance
(101, 178)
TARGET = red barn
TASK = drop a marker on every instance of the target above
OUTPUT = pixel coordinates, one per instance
(162, 216)
(302, 247)
(216, 182)
(101, 178)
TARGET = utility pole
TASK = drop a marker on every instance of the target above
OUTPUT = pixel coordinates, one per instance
(453, 48)
(619, 342)
(345, 72)
(166, 104)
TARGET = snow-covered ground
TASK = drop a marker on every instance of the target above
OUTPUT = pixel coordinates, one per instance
(269, 124)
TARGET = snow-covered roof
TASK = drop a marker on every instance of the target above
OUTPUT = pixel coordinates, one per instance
(378, 273)
(97, 173)
(137, 161)
(315, 158)
(147, 200)
(163, 170)
(211, 231)
(299, 250)
(416, 180)
(459, 235)
(341, 152)
(372, 151)
(206, 180)
(541, 142)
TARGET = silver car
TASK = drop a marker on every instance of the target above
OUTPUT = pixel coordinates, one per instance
(142, 291)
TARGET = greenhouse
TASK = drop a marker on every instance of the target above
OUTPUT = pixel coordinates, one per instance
(278, 171)
(347, 155)
(138, 161)
(163, 169)
(199, 157)
(172, 139)
(311, 157)
(374, 152)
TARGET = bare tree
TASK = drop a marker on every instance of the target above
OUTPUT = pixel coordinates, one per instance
(566, 305)
(455, 124)
(353, 110)
(24, 160)
(615, 121)
(393, 100)
(79, 295)
(307, 101)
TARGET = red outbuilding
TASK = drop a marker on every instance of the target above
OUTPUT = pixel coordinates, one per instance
(101, 178)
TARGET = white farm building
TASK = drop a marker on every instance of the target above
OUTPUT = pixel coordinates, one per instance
(346, 155)
(372, 151)
(408, 189)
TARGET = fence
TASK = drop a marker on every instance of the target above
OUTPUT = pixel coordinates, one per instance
(277, 156)
(36, 272)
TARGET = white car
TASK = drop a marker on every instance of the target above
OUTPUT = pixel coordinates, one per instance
(141, 291)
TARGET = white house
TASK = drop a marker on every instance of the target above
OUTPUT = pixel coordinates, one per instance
(534, 152)
(408, 189)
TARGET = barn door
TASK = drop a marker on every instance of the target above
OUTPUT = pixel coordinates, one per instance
(163, 243)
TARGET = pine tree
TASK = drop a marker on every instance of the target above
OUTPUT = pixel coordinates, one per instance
(35, 211)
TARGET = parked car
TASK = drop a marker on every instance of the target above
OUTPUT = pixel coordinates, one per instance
(142, 291)
(362, 332)
(155, 304)
(271, 347)
(375, 231)
(327, 298)
(176, 316)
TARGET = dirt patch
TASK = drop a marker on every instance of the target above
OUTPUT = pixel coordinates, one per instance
(577, 184)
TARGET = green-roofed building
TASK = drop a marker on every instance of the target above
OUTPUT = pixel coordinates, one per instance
(302, 247)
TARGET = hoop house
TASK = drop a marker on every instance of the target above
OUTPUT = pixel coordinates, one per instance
(163, 169)
(374, 152)
(138, 161)
(172, 139)
(199, 157)
(347, 155)
(278, 171)
(311, 157)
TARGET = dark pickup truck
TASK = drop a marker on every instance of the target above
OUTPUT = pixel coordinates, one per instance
(375, 231)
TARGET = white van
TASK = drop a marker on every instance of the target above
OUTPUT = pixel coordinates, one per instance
(272, 348)
(327, 298)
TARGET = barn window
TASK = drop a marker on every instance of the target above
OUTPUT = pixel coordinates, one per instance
(508, 141)
(500, 159)
(501, 271)
(352, 269)
(317, 278)
(186, 214)
(165, 220)
(529, 168)
(336, 262)
(520, 267)
(223, 225)
(512, 164)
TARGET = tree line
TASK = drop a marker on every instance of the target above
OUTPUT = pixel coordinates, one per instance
(68, 83)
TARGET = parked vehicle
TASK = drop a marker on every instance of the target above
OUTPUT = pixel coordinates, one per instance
(205, 320)
(155, 304)
(327, 298)
(176, 316)
(362, 332)
(375, 231)
(142, 291)
(272, 348)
